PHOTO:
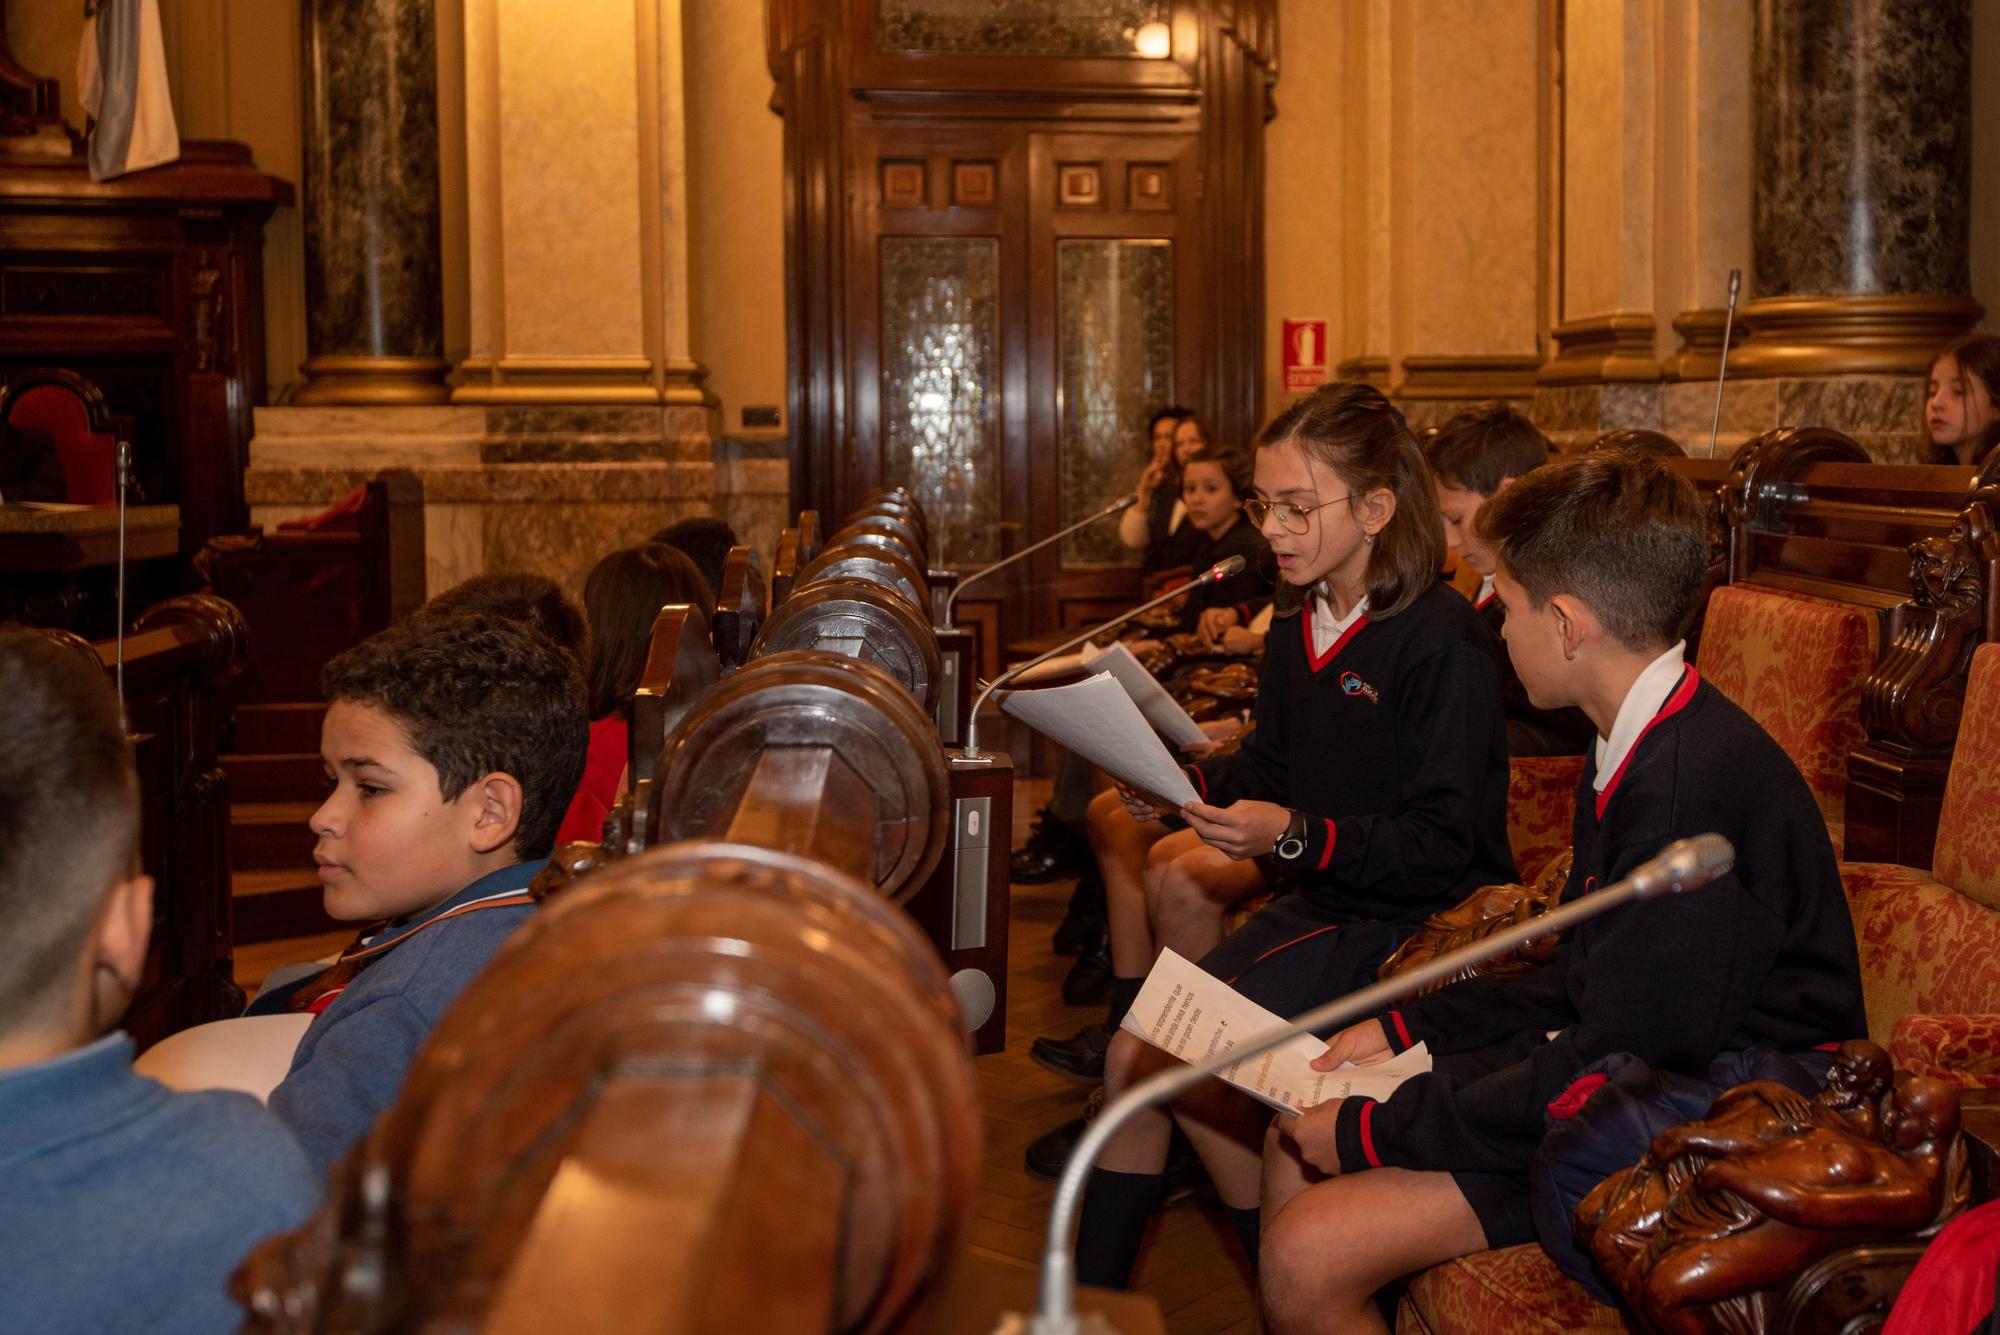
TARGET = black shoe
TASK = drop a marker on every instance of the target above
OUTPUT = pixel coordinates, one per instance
(1052, 852)
(1080, 1056)
(1084, 920)
(1185, 1173)
(1047, 1153)
(1088, 982)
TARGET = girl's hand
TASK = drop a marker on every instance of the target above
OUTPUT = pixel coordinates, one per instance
(1150, 480)
(1242, 830)
(1312, 1133)
(1237, 640)
(1215, 622)
(1364, 1044)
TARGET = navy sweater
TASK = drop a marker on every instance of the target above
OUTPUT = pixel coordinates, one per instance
(1763, 957)
(1392, 745)
(124, 1206)
(1246, 591)
(351, 1062)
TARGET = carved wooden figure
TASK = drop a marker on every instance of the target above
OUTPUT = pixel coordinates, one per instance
(712, 1088)
(1720, 1215)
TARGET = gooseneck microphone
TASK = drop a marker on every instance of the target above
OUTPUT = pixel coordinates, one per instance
(1683, 865)
(1222, 569)
(1119, 506)
(1722, 367)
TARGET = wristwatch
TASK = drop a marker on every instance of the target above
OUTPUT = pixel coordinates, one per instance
(1291, 845)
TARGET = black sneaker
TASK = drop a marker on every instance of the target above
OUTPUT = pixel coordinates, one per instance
(1088, 982)
(1047, 1153)
(1185, 1173)
(1085, 918)
(1080, 1056)
(1052, 852)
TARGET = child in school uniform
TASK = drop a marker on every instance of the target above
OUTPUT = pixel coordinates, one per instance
(1377, 770)
(123, 1206)
(1474, 456)
(452, 744)
(1600, 562)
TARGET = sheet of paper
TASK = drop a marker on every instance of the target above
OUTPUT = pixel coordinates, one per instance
(1161, 710)
(1096, 719)
(1195, 1016)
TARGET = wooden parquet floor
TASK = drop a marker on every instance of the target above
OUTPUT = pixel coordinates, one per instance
(1191, 1265)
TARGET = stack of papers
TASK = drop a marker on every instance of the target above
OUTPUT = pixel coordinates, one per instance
(1195, 1016)
(1096, 719)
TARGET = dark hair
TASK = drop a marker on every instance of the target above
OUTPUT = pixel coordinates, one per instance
(1642, 439)
(1235, 465)
(532, 600)
(69, 815)
(622, 597)
(478, 693)
(1977, 355)
(705, 541)
(1618, 529)
(1480, 447)
(1353, 429)
(1172, 411)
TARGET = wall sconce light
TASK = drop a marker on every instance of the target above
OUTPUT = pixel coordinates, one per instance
(1153, 41)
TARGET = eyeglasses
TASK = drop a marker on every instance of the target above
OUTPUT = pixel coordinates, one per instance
(1292, 518)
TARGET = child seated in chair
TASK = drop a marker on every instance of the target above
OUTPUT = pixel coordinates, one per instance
(122, 1206)
(1475, 455)
(1600, 562)
(452, 745)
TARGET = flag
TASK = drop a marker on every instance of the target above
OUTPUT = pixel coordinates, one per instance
(122, 74)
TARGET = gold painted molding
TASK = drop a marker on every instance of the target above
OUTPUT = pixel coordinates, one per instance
(1364, 370)
(1481, 376)
(1699, 356)
(556, 380)
(1603, 349)
(373, 380)
(1850, 333)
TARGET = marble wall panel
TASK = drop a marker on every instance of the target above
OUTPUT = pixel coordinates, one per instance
(1884, 406)
(1748, 407)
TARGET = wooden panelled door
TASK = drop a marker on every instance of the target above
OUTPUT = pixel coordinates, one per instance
(1024, 270)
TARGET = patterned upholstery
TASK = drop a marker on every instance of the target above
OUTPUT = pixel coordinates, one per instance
(1925, 948)
(1961, 1050)
(1541, 801)
(1968, 839)
(1795, 664)
(1516, 1291)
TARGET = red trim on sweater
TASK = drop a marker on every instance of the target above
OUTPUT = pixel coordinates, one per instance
(1326, 854)
(1368, 1135)
(1570, 1102)
(1402, 1030)
(1318, 661)
(1676, 702)
(1285, 945)
(1200, 780)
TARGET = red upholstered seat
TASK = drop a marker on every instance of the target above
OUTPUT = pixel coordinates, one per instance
(1514, 1291)
(89, 458)
(1541, 802)
(1796, 665)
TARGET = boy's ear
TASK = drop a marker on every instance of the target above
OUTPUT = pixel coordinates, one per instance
(1575, 622)
(498, 797)
(116, 951)
(1504, 483)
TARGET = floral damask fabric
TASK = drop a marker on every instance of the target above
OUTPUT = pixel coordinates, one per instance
(1925, 949)
(1514, 1291)
(1795, 664)
(1961, 1050)
(1968, 839)
(1541, 802)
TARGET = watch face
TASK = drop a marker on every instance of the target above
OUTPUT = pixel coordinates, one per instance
(1290, 847)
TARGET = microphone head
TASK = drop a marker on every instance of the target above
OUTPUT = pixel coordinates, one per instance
(1687, 864)
(976, 996)
(1735, 282)
(1223, 569)
(1124, 503)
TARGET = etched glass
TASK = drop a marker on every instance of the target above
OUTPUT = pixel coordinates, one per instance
(941, 387)
(1115, 327)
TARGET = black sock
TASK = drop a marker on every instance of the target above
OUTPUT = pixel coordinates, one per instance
(1247, 1227)
(1111, 1224)
(1124, 991)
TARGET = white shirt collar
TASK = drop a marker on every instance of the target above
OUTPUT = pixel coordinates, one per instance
(1485, 591)
(1650, 691)
(1326, 628)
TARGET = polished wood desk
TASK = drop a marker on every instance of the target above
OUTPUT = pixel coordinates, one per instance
(58, 568)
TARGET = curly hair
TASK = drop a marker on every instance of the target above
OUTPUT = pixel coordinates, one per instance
(1616, 529)
(69, 815)
(531, 600)
(1480, 446)
(478, 693)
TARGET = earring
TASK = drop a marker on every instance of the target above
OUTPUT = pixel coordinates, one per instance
(1368, 537)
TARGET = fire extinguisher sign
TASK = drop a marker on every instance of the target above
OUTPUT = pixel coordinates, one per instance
(1304, 355)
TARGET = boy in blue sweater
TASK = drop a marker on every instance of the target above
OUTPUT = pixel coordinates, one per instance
(452, 745)
(122, 1206)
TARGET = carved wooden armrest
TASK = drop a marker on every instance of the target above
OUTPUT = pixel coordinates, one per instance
(1850, 1291)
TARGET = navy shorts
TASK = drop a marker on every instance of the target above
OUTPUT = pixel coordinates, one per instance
(1294, 954)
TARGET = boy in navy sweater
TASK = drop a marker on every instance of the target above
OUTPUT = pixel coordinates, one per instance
(452, 745)
(1476, 455)
(1600, 561)
(96, 1158)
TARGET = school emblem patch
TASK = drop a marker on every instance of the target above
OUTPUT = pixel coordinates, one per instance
(1353, 685)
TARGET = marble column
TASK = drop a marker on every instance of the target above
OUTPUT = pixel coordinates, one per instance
(374, 304)
(1863, 129)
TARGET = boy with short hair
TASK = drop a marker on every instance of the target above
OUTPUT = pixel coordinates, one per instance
(1477, 454)
(1600, 561)
(452, 745)
(93, 1152)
